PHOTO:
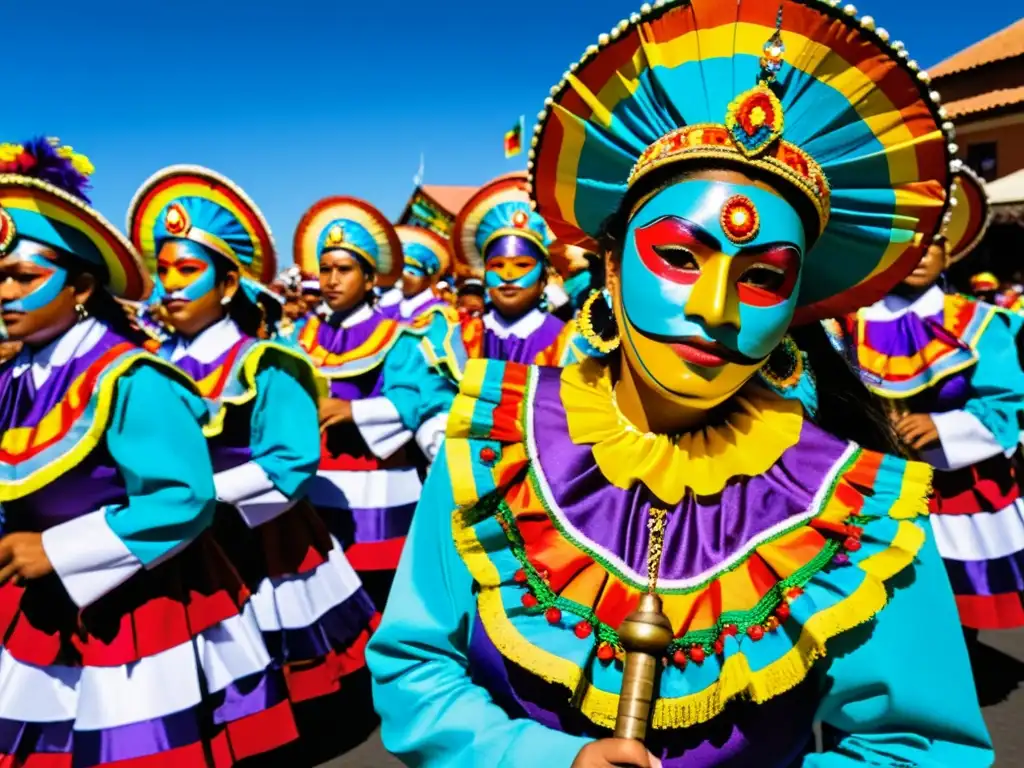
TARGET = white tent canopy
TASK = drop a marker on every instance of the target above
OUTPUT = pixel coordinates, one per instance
(1008, 190)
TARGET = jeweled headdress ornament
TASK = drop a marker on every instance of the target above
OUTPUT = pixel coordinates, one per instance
(800, 92)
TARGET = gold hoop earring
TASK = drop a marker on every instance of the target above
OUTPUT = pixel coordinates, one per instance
(605, 336)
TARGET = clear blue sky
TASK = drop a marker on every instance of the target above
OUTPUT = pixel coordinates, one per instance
(297, 99)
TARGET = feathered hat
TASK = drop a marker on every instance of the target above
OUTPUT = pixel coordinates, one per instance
(802, 92)
(189, 202)
(498, 220)
(970, 211)
(42, 198)
(352, 225)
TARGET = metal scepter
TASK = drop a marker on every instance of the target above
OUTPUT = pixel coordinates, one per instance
(644, 635)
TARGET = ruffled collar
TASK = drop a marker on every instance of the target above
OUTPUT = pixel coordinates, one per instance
(747, 441)
(904, 346)
(521, 327)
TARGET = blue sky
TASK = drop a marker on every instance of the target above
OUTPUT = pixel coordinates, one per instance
(300, 99)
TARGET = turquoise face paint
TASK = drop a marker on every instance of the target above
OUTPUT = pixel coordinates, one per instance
(497, 274)
(185, 271)
(670, 245)
(56, 278)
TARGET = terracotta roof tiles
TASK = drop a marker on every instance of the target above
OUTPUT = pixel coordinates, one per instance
(983, 102)
(1004, 44)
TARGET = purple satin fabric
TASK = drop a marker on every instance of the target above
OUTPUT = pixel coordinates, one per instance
(514, 349)
(903, 335)
(242, 698)
(776, 733)
(701, 533)
(335, 630)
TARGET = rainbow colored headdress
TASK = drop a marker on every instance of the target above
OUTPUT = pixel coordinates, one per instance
(188, 202)
(970, 213)
(499, 217)
(984, 281)
(800, 92)
(42, 198)
(425, 249)
(352, 225)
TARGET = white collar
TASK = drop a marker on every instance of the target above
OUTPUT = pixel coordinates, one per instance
(521, 327)
(392, 295)
(408, 307)
(892, 306)
(73, 343)
(210, 344)
(358, 316)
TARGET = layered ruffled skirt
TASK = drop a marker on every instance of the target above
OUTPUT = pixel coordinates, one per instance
(309, 603)
(169, 669)
(978, 517)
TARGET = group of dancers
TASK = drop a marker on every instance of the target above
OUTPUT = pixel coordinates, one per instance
(696, 371)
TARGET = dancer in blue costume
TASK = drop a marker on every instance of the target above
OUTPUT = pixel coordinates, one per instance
(391, 386)
(948, 367)
(426, 257)
(496, 236)
(745, 173)
(210, 245)
(128, 638)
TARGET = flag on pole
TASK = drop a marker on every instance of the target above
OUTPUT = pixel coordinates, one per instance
(514, 138)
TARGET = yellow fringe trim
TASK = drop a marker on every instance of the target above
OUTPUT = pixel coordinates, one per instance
(97, 428)
(736, 677)
(914, 492)
(316, 384)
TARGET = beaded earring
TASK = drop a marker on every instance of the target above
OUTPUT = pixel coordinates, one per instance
(596, 322)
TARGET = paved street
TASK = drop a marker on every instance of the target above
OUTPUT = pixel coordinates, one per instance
(999, 670)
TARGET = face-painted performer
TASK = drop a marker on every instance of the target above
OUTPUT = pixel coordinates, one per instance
(948, 367)
(427, 258)
(211, 247)
(127, 635)
(747, 180)
(497, 238)
(390, 387)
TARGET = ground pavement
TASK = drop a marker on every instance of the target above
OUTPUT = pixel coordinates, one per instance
(999, 671)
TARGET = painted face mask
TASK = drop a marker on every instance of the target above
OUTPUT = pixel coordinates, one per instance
(710, 278)
(511, 261)
(48, 289)
(185, 271)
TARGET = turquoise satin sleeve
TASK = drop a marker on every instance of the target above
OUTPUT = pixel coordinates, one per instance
(432, 713)
(418, 389)
(156, 440)
(997, 381)
(285, 429)
(899, 690)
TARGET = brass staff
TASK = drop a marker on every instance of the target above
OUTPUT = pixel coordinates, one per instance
(644, 635)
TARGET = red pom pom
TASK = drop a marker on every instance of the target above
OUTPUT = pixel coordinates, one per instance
(851, 544)
(488, 454)
(553, 615)
(783, 611)
(679, 659)
(583, 629)
(697, 654)
(529, 600)
(731, 630)
(719, 646)
(520, 576)
(756, 632)
(605, 652)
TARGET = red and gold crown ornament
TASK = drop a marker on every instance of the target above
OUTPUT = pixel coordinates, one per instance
(739, 219)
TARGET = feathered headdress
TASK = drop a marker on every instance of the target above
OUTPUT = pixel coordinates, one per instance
(46, 159)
